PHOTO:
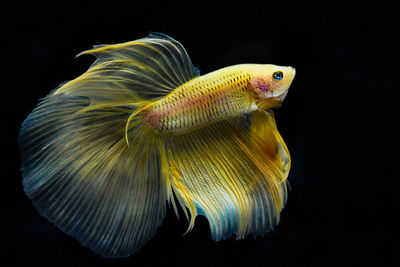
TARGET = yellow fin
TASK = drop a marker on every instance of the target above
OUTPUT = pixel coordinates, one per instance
(146, 68)
(263, 127)
(224, 174)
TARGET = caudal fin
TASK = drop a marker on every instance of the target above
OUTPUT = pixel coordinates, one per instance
(77, 167)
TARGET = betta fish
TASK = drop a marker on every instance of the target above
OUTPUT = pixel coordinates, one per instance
(103, 155)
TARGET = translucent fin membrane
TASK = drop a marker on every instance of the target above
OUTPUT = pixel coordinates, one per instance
(228, 174)
(147, 68)
(77, 168)
(80, 175)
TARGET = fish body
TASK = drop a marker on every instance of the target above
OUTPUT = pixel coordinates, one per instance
(103, 154)
(206, 99)
(217, 96)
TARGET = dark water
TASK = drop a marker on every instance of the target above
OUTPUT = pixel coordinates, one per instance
(337, 121)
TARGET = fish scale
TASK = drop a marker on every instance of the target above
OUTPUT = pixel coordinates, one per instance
(217, 96)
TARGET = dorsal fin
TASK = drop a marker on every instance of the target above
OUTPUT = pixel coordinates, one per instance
(150, 67)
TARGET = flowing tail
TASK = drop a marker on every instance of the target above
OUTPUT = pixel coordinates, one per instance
(92, 168)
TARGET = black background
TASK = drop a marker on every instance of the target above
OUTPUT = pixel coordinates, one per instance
(336, 120)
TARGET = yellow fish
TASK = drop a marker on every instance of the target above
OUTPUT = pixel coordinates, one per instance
(103, 154)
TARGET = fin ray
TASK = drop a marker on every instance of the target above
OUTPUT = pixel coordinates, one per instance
(157, 56)
(87, 181)
(76, 165)
(230, 179)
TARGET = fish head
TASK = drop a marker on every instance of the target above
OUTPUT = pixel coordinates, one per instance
(270, 83)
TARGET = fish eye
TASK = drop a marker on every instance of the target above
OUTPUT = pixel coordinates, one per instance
(277, 75)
